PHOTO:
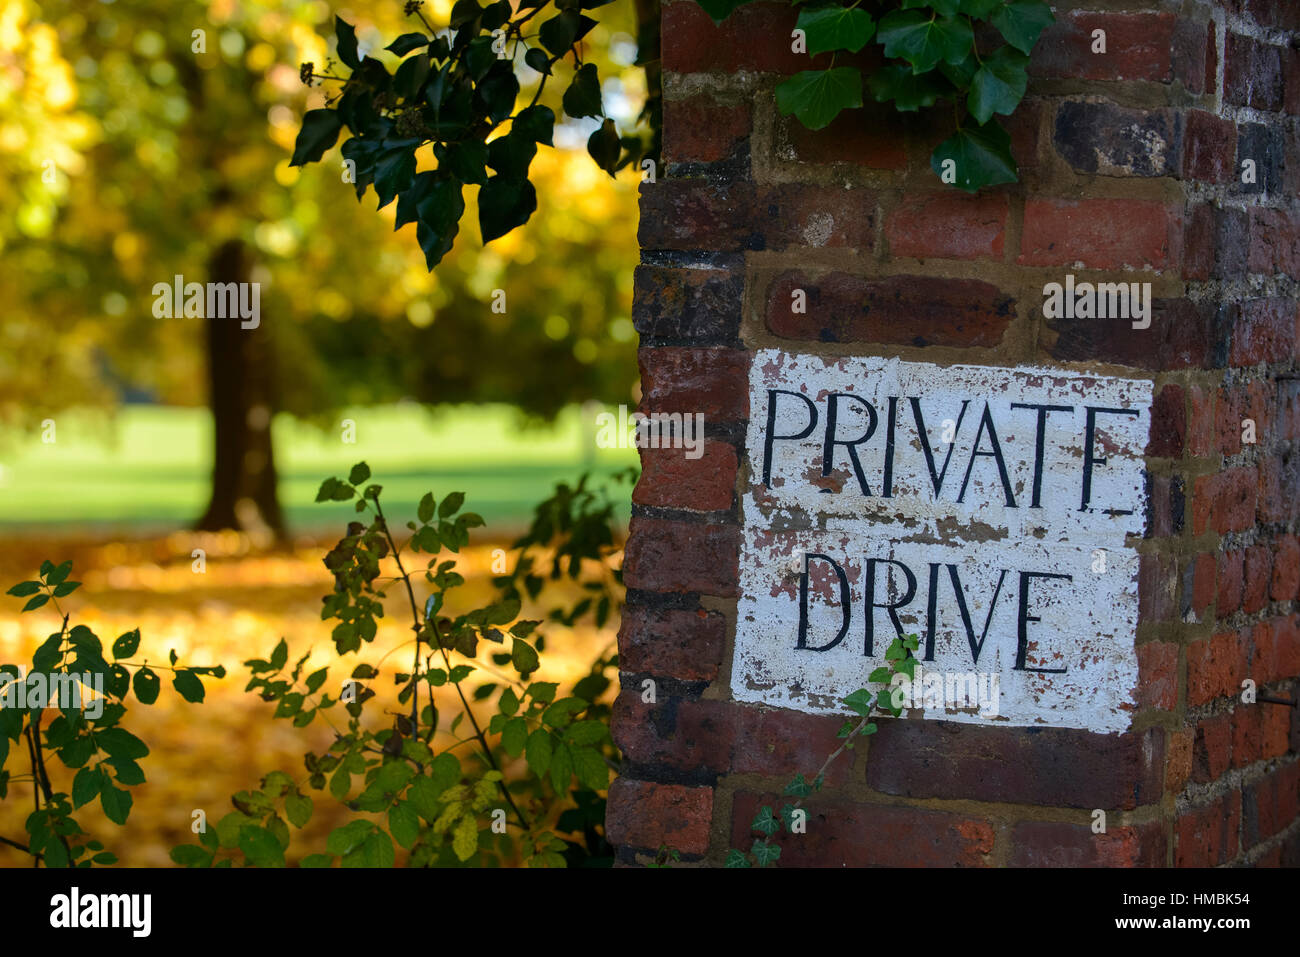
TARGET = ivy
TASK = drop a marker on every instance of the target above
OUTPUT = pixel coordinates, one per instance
(972, 53)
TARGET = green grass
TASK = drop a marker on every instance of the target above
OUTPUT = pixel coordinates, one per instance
(148, 469)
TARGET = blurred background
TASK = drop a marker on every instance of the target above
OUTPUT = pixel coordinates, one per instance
(140, 141)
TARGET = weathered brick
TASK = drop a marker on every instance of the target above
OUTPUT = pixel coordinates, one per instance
(1279, 486)
(1225, 502)
(1178, 338)
(1216, 667)
(1198, 242)
(1200, 420)
(1208, 836)
(1203, 583)
(1231, 581)
(1168, 423)
(646, 815)
(948, 225)
(664, 555)
(678, 303)
(1252, 73)
(755, 37)
(714, 382)
(1274, 242)
(1265, 332)
(779, 743)
(1286, 569)
(692, 737)
(1116, 141)
(1231, 243)
(911, 310)
(1138, 47)
(1288, 405)
(1276, 646)
(671, 478)
(1157, 585)
(1208, 145)
(1061, 232)
(699, 129)
(1269, 804)
(1049, 766)
(872, 137)
(677, 643)
(1052, 844)
(1195, 54)
(1157, 675)
(1258, 574)
(844, 834)
(1266, 146)
(1212, 751)
(1179, 768)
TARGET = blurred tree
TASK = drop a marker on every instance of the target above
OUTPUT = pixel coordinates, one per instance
(170, 139)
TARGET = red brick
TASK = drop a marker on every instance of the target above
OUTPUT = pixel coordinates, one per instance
(701, 130)
(901, 310)
(1179, 768)
(1231, 582)
(643, 814)
(1279, 486)
(1274, 242)
(1215, 667)
(1212, 751)
(1269, 805)
(672, 642)
(845, 834)
(671, 478)
(1168, 423)
(1235, 503)
(948, 225)
(1138, 47)
(871, 137)
(1252, 73)
(1200, 421)
(1209, 146)
(754, 37)
(1194, 55)
(1059, 232)
(672, 556)
(1157, 675)
(1247, 734)
(688, 736)
(1286, 569)
(1288, 401)
(1053, 766)
(1203, 583)
(1276, 731)
(1157, 585)
(1258, 575)
(702, 305)
(714, 382)
(1051, 844)
(1208, 835)
(1178, 338)
(781, 743)
(1198, 243)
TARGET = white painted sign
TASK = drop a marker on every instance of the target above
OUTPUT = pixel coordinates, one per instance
(986, 510)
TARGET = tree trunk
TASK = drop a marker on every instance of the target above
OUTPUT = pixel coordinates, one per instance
(240, 377)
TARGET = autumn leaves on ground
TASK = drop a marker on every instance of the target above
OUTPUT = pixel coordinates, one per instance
(236, 609)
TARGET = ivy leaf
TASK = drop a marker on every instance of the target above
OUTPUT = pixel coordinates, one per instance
(982, 155)
(347, 42)
(999, 84)
(582, 98)
(440, 211)
(765, 853)
(979, 9)
(923, 41)
(467, 162)
(407, 42)
(559, 33)
(505, 202)
(765, 822)
(909, 91)
(605, 146)
(719, 10)
(537, 59)
(320, 130)
(816, 97)
(736, 858)
(835, 27)
(1021, 22)
(799, 787)
(859, 702)
(394, 173)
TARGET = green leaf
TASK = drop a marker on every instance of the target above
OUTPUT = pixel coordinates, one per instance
(407, 42)
(298, 808)
(440, 212)
(320, 130)
(87, 785)
(188, 685)
(605, 146)
(590, 767)
(451, 504)
(67, 588)
(765, 822)
(998, 85)
(537, 59)
(190, 855)
(515, 736)
(881, 675)
(445, 771)
(426, 509)
(908, 90)
(467, 162)
(347, 42)
(56, 576)
(586, 732)
(539, 751)
(464, 839)
(979, 9)
(736, 858)
(260, 847)
(982, 155)
(118, 742)
(523, 656)
(561, 769)
(923, 41)
(719, 10)
(1021, 22)
(404, 824)
(37, 602)
(127, 644)
(765, 853)
(343, 840)
(280, 656)
(316, 860)
(23, 589)
(817, 96)
(797, 788)
(504, 202)
(116, 803)
(859, 702)
(834, 27)
(582, 98)
(360, 472)
(537, 123)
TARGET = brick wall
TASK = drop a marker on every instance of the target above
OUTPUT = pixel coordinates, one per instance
(1131, 171)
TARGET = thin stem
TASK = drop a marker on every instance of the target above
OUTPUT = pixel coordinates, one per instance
(415, 615)
(22, 847)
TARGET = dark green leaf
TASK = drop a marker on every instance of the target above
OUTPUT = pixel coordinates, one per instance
(23, 589)
(523, 657)
(817, 96)
(719, 10)
(604, 146)
(908, 90)
(582, 98)
(127, 644)
(1021, 22)
(320, 130)
(146, 684)
(260, 847)
(188, 685)
(407, 42)
(347, 42)
(999, 84)
(982, 155)
(504, 202)
(923, 41)
(116, 803)
(833, 27)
